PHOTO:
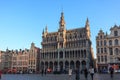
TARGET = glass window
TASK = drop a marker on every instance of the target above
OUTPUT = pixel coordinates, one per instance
(105, 58)
(110, 42)
(98, 58)
(115, 33)
(111, 51)
(104, 42)
(101, 50)
(97, 43)
(98, 50)
(116, 42)
(116, 51)
(100, 36)
(105, 50)
(102, 58)
(101, 43)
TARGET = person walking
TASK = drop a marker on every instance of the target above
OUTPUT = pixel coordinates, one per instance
(111, 70)
(45, 71)
(77, 77)
(86, 73)
(91, 70)
(42, 72)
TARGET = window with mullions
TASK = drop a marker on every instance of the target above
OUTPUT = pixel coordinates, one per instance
(115, 33)
(111, 51)
(116, 51)
(116, 42)
(105, 43)
(110, 42)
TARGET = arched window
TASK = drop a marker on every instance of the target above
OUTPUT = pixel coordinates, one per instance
(116, 42)
(110, 42)
(116, 51)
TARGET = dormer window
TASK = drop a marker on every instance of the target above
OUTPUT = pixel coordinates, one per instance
(115, 33)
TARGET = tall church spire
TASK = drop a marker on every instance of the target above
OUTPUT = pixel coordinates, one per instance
(62, 21)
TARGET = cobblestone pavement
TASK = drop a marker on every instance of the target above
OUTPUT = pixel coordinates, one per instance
(56, 77)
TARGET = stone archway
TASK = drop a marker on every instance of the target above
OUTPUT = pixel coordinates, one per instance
(46, 65)
(72, 65)
(61, 65)
(51, 65)
(66, 65)
(55, 65)
(77, 64)
(42, 65)
(83, 64)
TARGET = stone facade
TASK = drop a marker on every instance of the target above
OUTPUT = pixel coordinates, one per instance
(7, 59)
(108, 49)
(20, 60)
(34, 58)
(66, 49)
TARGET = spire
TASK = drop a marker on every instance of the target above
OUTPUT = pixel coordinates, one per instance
(46, 30)
(87, 27)
(87, 23)
(62, 22)
(43, 31)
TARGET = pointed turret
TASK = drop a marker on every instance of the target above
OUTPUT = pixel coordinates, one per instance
(62, 21)
(87, 27)
(43, 31)
(87, 23)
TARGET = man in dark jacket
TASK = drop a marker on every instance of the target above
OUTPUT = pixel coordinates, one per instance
(111, 70)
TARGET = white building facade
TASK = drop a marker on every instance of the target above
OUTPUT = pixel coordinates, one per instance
(108, 49)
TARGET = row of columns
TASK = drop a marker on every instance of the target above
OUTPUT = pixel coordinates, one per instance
(64, 65)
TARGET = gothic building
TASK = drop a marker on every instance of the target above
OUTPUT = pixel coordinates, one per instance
(108, 49)
(66, 49)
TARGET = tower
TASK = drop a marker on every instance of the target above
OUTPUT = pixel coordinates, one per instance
(87, 26)
(62, 22)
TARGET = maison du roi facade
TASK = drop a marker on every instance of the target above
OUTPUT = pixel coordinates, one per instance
(66, 49)
(108, 49)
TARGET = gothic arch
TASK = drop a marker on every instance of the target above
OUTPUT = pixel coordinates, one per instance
(77, 64)
(61, 65)
(72, 65)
